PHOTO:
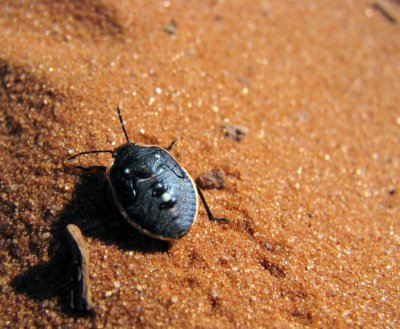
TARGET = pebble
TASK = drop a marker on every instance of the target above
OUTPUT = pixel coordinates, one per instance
(235, 132)
(170, 27)
(268, 246)
(15, 187)
(213, 179)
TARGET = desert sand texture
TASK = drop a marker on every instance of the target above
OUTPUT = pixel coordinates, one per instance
(312, 187)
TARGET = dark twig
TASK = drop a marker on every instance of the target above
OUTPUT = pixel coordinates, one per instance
(379, 7)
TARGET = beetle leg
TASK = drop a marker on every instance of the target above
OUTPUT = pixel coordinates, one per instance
(208, 210)
(170, 146)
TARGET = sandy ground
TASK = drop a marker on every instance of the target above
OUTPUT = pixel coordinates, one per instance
(312, 191)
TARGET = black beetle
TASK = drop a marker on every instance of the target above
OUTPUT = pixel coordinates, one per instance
(151, 190)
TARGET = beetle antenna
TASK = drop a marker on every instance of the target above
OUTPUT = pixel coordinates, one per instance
(90, 152)
(122, 124)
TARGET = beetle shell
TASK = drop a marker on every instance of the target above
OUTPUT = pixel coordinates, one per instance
(152, 191)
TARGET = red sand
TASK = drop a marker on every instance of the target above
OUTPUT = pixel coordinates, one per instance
(312, 191)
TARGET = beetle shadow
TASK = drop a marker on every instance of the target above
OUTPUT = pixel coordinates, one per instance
(93, 211)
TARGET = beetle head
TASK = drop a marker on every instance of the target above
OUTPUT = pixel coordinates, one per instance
(127, 147)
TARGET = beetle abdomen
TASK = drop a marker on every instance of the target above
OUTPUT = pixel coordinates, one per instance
(165, 205)
(153, 192)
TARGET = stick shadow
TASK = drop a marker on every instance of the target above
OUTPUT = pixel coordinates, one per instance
(92, 210)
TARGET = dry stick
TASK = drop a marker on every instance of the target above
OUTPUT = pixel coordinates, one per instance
(379, 7)
(78, 271)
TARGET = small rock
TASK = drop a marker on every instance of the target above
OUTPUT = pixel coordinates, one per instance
(235, 132)
(170, 27)
(268, 246)
(224, 260)
(303, 116)
(15, 187)
(213, 179)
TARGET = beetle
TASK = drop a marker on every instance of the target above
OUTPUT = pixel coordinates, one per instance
(151, 189)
